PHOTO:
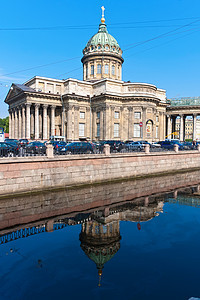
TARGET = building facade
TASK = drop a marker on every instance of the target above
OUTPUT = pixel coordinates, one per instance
(100, 107)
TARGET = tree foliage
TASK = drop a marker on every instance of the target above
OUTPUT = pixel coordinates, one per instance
(4, 123)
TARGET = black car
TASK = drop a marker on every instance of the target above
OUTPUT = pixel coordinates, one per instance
(77, 148)
(115, 146)
(23, 142)
(36, 148)
(58, 145)
(13, 148)
(4, 149)
(7, 140)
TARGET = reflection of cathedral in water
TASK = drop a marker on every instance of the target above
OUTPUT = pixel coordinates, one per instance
(100, 236)
(100, 242)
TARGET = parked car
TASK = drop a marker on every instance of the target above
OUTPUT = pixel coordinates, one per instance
(115, 146)
(4, 149)
(13, 148)
(77, 148)
(155, 145)
(135, 146)
(169, 145)
(7, 140)
(23, 142)
(57, 145)
(36, 148)
(188, 146)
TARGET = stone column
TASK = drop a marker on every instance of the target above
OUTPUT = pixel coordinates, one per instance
(94, 126)
(173, 126)
(37, 121)
(23, 122)
(13, 124)
(184, 117)
(164, 127)
(181, 128)
(16, 123)
(20, 123)
(45, 122)
(28, 120)
(194, 127)
(10, 124)
(169, 127)
(53, 120)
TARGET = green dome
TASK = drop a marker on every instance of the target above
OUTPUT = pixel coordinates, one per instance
(102, 41)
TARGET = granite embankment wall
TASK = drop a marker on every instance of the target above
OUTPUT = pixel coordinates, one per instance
(19, 175)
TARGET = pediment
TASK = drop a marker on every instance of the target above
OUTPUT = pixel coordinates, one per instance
(13, 92)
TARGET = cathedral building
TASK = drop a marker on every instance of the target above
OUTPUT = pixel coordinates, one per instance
(100, 107)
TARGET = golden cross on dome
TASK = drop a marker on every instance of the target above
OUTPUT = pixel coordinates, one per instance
(103, 9)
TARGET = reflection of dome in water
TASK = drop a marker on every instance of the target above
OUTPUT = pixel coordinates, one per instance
(100, 255)
(100, 242)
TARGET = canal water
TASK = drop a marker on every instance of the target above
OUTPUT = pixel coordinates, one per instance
(129, 240)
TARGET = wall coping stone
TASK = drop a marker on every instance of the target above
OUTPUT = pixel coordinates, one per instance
(31, 159)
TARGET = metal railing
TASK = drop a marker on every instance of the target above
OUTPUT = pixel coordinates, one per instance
(123, 149)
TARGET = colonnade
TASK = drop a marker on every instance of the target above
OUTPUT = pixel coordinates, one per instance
(32, 121)
(171, 126)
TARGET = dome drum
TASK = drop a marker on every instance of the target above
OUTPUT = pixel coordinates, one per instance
(102, 57)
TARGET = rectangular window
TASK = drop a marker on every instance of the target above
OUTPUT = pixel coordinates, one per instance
(98, 129)
(92, 69)
(82, 115)
(136, 130)
(106, 69)
(156, 118)
(98, 115)
(98, 69)
(156, 132)
(81, 129)
(116, 115)
(137, 115)
(86, 71)
(116, 130)
(50, 88)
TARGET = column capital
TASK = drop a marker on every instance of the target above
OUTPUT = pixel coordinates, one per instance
(53, 106)
(37, 105)
(45, 105)
(28, 104)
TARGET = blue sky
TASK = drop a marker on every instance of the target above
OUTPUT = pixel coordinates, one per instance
(169, 61)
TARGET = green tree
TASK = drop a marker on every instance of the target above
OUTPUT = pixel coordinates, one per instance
(4, 123)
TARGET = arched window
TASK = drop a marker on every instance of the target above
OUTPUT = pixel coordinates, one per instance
(99, 47)
(113, 70)
(106, 69)
(99, 69)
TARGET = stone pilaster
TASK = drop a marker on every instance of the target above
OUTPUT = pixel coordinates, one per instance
(144, 119)
(37, 121)
(130, 123)
(28, 119)
(101, 124)
(45, 122)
